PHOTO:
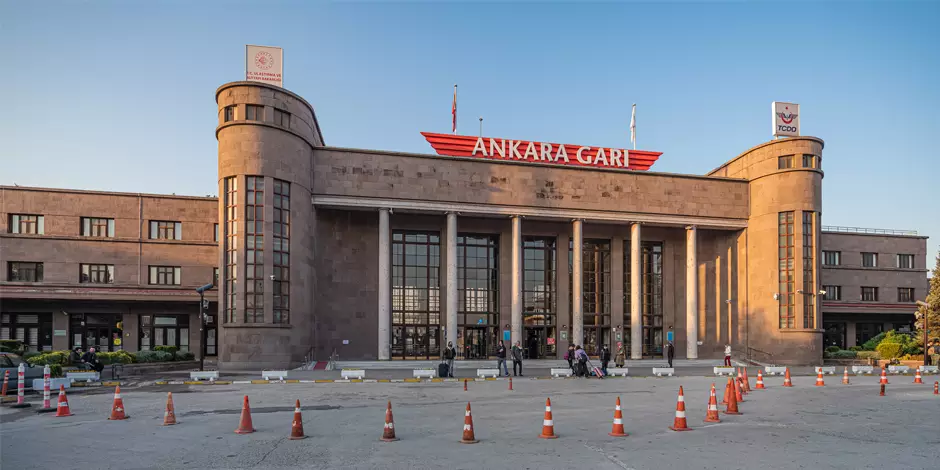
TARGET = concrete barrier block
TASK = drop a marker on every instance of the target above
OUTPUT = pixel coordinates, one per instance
(863, 370)
(898, 369)
(86, 375)
(775, 370)
(53, 384)
(424, 373)
(352, 374)
(561, 372)
(724, 370)
(274, 374)
(830, 370)
(614, 371)
(929, 369)
(484, 373)
(210, 375)
(660, 371)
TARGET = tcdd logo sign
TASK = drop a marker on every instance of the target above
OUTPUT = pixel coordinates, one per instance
(786, 119)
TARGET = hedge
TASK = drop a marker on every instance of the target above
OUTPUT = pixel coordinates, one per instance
(153, 356)
(60, 358)
(869, 355)
(116, 357)
(844, 354)
(185, 356)
(890, 350)
(170, 349)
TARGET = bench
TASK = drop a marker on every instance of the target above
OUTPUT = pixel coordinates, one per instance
(719, 370)
(53, 384)
(898, 369)
(86, 375)
(659, 371)
(566, 372)
(352, 374)
(831, 370)
(424, 373)
(612, 371)
(210, 375)
(278, 374)
(863, 370)
(484, 373)
(929, 369)
(775, 370)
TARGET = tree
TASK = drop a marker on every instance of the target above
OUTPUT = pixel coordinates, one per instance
(933, 316)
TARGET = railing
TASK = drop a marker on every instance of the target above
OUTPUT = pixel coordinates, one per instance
(767, 357)
(878, 231)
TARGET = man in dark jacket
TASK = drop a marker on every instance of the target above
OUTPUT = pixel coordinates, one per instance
(517, 358)
(501, 359)
(605, 358)
(449, 355)
(91, 358)
(670, 352)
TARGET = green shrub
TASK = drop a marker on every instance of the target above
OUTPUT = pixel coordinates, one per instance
(116, 357)
(844, 355)
(153, 356)
(30, 354)
(890, 350)
(833, 349)
(869, 355)
(170, 349)
(871, 344)
(185, 356)
(50, 357)
(827, 355)
(856, 348)
(12, 346)
(56, 370)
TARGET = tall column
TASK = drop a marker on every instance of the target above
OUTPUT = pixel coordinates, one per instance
(516, 279)
(451, 277)
(636, 299)
(385, 281)
(691, 294)
(577, 283)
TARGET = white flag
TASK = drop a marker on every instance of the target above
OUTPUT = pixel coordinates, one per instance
(633, 126)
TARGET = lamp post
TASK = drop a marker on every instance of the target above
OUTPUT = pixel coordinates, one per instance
(202, 320)
(926, 307)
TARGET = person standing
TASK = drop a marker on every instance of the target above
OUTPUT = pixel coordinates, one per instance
(449, 355)
(517, 358)
(501, 359)
(570, 357)
(605, 358)
(621, 358)
(670, 352)
(728, 355)
(582, 358)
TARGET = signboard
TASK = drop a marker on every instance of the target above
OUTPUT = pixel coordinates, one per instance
(668, 336)
(506, 335)
(541, 153)
(564, 335)
(786, 119)
(264, 64)
(550, 341)
(59, 333)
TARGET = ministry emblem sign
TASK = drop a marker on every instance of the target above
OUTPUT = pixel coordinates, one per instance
(264, 64)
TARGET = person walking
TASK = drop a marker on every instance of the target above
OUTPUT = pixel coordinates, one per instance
(582, 358)
(449, 355)
(670, 352)
(501, 359)
(728, 355)
(517, 358)
(621, 357)
(569, 356)
(605, 358)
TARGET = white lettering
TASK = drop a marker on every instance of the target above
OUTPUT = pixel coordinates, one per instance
(582, 160)
(514, 149)
(615, 155)
(501, 149)
(547, 152)
(479, 147)
(562, 153)
(601, 157)
(530, 149)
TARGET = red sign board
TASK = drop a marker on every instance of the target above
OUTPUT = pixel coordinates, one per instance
(541, 153)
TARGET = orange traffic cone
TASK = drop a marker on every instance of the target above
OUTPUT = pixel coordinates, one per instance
(617, 430)
(6, 383)
(117, 408)
(884, 376)
(297, 425)
(62, 409)
(169, 416)
(732, 408)
(465, 385)
(819, 379)
(468, 437)
(388, 434)
(917, 377)
(936, 388)
(548, 424)
(724, 401)
(741, 385)
(845, 376)
(738, 392)
(747, 382)
(244, 424)
(759, 385)
(740, 375)
(882, 390)
(712, 415)
(679, 424)
(510, 383)
(786, 378)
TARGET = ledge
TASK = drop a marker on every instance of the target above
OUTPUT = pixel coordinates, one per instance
(800, 330)
(285, 326)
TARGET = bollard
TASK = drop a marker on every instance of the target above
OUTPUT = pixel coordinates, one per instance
(6, 383)
(46, 384)
(21, 387)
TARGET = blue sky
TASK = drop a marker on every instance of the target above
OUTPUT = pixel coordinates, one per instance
(120, 96)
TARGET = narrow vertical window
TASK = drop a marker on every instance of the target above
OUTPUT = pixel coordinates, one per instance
(231, 247)
(809, 283)
(254, 249)
(785, 270)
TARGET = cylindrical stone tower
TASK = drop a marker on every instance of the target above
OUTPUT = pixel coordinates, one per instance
(266, 138)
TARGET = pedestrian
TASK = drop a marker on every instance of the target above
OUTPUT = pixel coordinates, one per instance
(449, 355)
(582, 358)
(569, 356)
(621, 357)
(605, 358)
(75, 358)
(501, 359)
(728, 355)
(517, 358)
(91, 358)
(670, 352)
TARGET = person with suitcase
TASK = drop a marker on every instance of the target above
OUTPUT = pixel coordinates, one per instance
(449, 355)
(582, 358)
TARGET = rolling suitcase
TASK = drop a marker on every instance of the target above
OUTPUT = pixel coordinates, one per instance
(443, 370)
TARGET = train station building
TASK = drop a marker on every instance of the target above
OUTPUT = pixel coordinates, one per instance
(381, 255)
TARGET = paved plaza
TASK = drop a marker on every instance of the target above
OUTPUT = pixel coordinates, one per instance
(836, 426)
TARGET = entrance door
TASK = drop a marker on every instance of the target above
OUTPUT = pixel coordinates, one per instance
(534, 341)
(652, 342)
(595, 339)
(475, 345)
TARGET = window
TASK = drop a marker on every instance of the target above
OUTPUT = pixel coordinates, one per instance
(215, 276)
(906, 261)
(231, 248)
(832, 258)
(164, 330)
(254, 112)
(832, 293)
(867, 331)
(19, 271)
(809, 161)
(869, 260)
(869, 294)
(32, 329)
(229, 113)
(29, 224)
(785, 162)
(254, 249)
(595, 292)
(281, 251)
(809, 284)
(539, 293)
(165, 230)
(786, 294)
(477, 295)
(215, 232)
(905, 294)
(165, 275)
(97, 227)
(96, 273)
(282, 118)
(416, 294)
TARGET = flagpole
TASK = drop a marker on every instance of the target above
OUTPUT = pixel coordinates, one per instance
(481, 126)
(455, 110)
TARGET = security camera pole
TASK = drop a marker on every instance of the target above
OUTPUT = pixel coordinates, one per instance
(926, 315)
(202, 319)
